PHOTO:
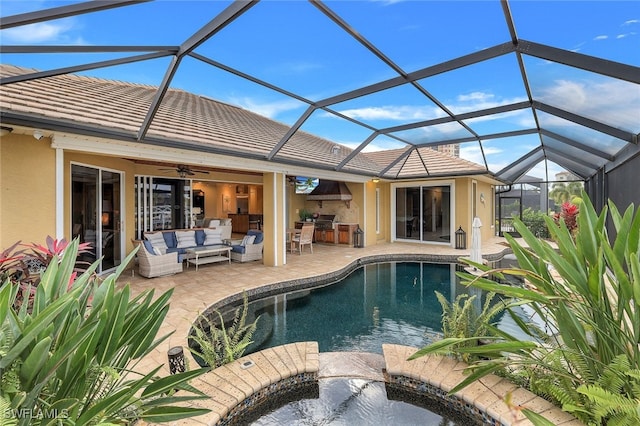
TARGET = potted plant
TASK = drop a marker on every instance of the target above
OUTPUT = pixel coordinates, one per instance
(305, 215)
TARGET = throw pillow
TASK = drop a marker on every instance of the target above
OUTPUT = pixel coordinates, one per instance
(213, 223)
(148, 246)
(248, 240)
(156, 251)
(212, 236)
(200, 236)
(157, 240)
(186, 239)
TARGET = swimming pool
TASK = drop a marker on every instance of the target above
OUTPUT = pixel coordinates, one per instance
(369, 305)
(390, 302)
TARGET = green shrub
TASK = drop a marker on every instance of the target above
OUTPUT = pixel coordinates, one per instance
(587, 293)
(70, 355)
(535, 222)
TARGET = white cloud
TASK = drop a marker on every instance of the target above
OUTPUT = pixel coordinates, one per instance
(396, 113)
(601, 37)
(610, 101)
(476, 96)
(266, 109)
(42, 32)
(473, 101)
(632, 21)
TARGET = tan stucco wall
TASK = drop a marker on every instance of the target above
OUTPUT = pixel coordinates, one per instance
(464, 216)
(27, 190)
(462, 206)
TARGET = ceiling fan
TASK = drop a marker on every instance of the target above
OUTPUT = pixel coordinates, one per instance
(184, 170)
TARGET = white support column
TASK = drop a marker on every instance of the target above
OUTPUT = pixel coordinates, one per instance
(274, 207)
(59, 193)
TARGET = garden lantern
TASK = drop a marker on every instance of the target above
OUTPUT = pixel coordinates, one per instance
(461, 239)
(358, 238)
(176, 360)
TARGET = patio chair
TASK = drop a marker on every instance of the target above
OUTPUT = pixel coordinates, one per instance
(152, 265)
(250, 248)
(304, 238)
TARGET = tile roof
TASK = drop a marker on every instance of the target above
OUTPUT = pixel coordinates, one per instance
(197, 122)
(423, 162)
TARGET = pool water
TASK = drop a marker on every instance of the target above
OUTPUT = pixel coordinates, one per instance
(392, 302)
(358, 402)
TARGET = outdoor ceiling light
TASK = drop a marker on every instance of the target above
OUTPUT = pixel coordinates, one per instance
(38, 134)
(4, 130)
(375, 180)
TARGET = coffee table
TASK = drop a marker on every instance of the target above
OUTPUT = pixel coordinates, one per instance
(210, 254)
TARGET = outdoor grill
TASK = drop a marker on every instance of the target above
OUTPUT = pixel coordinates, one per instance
(325, 222)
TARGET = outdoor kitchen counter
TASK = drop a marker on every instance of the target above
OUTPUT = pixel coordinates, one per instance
(345, 232)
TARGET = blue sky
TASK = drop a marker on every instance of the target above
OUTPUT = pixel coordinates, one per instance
(291, 44)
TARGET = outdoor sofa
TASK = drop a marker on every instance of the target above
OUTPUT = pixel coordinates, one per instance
(178, 241)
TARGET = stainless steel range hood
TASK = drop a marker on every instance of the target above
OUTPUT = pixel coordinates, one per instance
(330, 190)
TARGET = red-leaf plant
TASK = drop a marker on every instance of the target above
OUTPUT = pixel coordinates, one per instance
(23, 266)
(568, 214)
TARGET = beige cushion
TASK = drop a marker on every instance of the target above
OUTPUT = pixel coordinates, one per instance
(186, 239)
(212, 236)
(213, 223)
(157, 241)
(248, 240)
(225, 222)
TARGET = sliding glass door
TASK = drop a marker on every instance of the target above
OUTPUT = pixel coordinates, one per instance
(162, 203)
(423, 213)
(96, 196)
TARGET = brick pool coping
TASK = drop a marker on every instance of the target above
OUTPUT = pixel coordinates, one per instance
(433, 376)
(236, 389)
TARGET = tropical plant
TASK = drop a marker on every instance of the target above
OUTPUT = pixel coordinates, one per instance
(71, 356)
(461, 319)
(218, 344)
(586, 293)
(568, 214)
(562, 192)
(24, 266)
(10, 262)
